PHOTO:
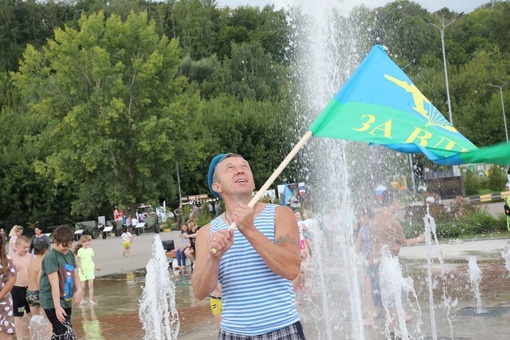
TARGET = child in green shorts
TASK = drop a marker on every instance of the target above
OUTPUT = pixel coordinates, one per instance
(86, 267)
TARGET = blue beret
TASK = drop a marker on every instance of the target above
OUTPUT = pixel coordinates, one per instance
(210, 174)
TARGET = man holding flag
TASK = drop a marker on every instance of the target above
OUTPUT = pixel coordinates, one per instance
(254, 263)
(399, 117)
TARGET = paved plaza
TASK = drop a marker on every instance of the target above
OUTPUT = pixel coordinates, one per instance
(108, 252)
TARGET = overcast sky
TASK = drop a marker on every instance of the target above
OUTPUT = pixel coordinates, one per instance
(431, 5)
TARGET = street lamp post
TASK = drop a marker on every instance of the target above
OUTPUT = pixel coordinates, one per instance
(502, 105)
(441, 29)
(178, 181)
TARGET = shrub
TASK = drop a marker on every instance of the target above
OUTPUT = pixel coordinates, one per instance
(442, 214)
(450, 230)
(203, 219)
(472, 223)
(169, 224)
(471, 182)
(412, 229)
(497, 178)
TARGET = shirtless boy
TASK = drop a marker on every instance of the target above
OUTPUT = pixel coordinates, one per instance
(34, 276)
(22, 259)
(38, 323)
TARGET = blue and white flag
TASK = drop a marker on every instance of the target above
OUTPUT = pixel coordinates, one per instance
(287, 194)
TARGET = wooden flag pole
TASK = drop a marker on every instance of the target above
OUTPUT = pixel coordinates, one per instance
(273, 177)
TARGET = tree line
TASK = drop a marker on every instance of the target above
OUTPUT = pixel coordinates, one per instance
(102, 101)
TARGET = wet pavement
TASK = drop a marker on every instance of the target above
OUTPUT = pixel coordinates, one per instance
(116, 314)
(118, 288)
(118, 292)
(467, 322)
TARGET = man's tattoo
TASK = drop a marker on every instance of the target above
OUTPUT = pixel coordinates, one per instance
(286, 239)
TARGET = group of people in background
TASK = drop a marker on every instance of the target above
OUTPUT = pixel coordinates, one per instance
(188, 234)
(196, 209)
(189, 230)
(43, 283)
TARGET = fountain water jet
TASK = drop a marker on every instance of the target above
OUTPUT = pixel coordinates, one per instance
(326, 51)
(506, 256)
(322, 41)
(430, 230)
(475, 276)
(158, 313)
(394, 294)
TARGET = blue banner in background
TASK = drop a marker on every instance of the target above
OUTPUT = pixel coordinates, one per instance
(287, 194)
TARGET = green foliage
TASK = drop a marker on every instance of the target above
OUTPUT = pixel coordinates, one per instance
(251, 74)
(99, 101)
(400, 25)
(471, 182)
(497, 178)
(28, 22)
(494, 182)
(169, 225)
(8, 95)
(203, 219)
(25, 196)
(485, 191)
(196, 24)
(474, 100)
(479, 223)
(476, 223)
(252, 129)
(117, 114)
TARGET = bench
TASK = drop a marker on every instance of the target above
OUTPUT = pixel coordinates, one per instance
(140, 228)
(107, 231)
(171, 256)
(77, 234)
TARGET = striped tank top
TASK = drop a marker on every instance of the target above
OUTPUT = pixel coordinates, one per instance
(255, 300)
